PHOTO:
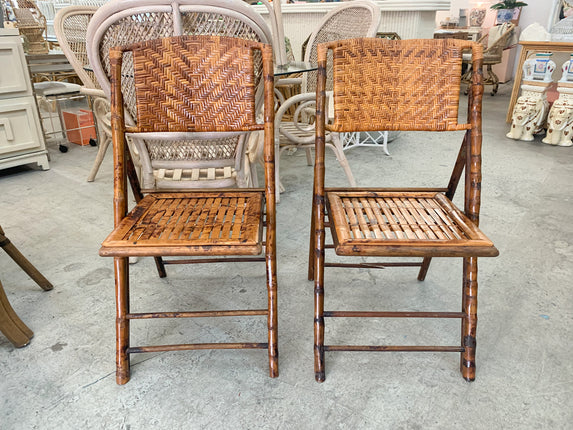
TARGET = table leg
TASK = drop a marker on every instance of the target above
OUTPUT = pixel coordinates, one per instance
(23, 262)
(11, 325)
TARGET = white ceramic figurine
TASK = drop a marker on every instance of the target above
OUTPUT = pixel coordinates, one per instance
(560, 122)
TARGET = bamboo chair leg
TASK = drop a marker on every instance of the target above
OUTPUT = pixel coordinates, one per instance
(23, 262)
(469, 322)
(424, 268)
(336, 146)
(312, 244)
(99, 156)
(122, 323)
(272, 322)
(319, 371)
(11, 325)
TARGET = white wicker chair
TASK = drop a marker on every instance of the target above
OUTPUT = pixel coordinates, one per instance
(210, 160)
(359, 18)
(70, 26)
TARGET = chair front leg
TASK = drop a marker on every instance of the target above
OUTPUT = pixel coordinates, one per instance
(121, 268)
(272, 322)
(469, 322)
(312, 243)
(319, 372)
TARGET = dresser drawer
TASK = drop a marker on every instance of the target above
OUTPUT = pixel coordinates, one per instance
(14, 77)
(19, 126)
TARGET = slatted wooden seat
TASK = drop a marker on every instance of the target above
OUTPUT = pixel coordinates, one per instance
(226, 223)
(373, 222)
(187, 85)
(409, 85)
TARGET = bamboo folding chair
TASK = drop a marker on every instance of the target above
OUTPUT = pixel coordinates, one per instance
(409, 85)
(190, 85)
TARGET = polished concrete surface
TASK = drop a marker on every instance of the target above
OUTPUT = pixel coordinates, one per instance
(65, 378)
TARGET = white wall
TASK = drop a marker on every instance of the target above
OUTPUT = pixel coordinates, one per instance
(535, 11)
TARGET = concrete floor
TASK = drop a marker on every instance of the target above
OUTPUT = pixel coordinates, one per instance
(65, 378)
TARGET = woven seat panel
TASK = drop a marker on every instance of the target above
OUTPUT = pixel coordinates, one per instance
(366, 220)
(193, 85)
(190, 224)
(394, 91)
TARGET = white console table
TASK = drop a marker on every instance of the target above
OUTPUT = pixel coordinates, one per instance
(21, 138)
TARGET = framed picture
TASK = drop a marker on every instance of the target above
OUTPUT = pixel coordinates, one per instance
(508, 15)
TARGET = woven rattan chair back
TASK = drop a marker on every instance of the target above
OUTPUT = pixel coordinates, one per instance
(71, 26)
(492, 55)
(392, 80)
(184, 84)
(192, 85)
(494, 50)
(211, 160)
(405, 85)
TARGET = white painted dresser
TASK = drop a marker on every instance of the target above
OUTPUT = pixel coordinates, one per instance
(21, 138)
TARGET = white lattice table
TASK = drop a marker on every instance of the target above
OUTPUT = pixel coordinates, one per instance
(367, 138)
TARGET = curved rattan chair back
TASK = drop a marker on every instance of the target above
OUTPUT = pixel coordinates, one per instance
(71, 26)
(495, 48)
(359, 18)
(124, 22)
(182, 163)
(398, 94)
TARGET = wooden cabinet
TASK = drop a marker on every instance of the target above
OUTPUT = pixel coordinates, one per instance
(21, 138)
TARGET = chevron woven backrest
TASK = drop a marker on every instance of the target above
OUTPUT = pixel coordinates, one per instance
(195, 84)
(384, 84)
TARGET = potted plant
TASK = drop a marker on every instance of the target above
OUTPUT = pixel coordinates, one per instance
(506, 10)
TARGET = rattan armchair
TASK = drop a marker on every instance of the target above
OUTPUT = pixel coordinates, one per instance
(410, 85)
(32, 27)
(492, 55)
(185, 86)
(206, 161)
(349, 20)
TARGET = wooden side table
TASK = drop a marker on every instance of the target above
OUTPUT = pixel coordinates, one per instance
(527, 48)
(10, 324)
